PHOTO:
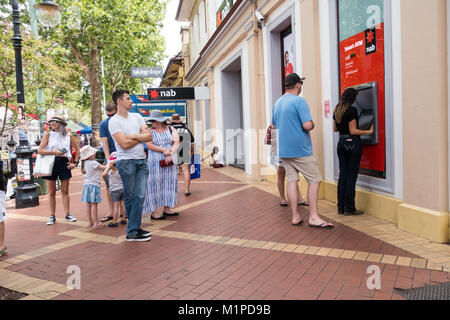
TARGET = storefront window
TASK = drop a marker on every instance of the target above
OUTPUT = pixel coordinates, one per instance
(362, 66)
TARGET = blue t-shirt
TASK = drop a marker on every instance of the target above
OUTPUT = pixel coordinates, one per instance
(104, 133)
(288, 116)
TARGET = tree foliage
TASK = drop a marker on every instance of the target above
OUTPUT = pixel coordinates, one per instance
(125, 33)
(44, 66)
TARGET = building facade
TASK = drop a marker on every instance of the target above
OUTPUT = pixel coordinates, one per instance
(395, 52)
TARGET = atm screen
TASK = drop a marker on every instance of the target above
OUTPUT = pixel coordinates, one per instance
(367, 105)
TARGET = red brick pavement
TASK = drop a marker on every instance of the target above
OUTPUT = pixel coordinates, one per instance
(171, 268)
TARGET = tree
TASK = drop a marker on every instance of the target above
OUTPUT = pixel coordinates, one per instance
(44, 66)
(124, 32)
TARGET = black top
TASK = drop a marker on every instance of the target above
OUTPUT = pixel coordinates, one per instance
(183, 132)
(349, 115)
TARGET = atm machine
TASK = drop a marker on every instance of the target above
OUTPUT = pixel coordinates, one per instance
(367, 105)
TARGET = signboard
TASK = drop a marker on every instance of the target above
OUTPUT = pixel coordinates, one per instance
(361, 62)
(23, 170)
(144, 107)
(138, 72)
(223, 11)
(178, 93)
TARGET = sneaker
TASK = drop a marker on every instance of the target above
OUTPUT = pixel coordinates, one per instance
(144, 233)
(70, 218)
(51, 221)
(138, 237)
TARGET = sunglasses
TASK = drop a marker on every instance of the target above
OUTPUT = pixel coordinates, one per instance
(111, 115)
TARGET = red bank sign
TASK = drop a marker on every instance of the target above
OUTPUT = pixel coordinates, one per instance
(362, 61)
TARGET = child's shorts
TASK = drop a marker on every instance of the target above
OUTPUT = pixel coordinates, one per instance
(2, 207)
(91, 194)
(117, 195)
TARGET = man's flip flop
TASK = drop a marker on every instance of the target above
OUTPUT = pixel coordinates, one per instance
(325, 225)
(297, 224)
(306, 204)
(104, 219)
(283, 204)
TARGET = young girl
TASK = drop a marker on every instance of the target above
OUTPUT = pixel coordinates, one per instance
(91, 189)
(116, 190)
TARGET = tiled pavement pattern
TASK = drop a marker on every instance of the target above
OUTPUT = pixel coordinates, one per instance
(232, 240)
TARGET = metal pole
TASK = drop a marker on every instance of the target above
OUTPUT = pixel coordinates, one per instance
(27, 192)
(17, 44)
(40, 92)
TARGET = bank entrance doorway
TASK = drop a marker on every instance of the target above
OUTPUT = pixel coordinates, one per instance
(233, 119)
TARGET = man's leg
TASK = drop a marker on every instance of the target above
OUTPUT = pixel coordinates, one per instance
(187, 178)
(292, 191)
(140, 188)
(281, 175)
(127, 171)
(313, 199)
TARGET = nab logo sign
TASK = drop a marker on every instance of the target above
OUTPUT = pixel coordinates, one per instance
(176, 93)
(168, 94)
(371, 41)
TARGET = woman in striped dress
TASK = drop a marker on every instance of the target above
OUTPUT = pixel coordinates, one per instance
(162, 183)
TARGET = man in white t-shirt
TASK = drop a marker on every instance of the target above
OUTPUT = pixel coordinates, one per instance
(129, 131)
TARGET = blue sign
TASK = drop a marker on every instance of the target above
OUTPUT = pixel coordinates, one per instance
(144, 107)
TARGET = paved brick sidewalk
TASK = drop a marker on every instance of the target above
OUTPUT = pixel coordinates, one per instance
(232, 240)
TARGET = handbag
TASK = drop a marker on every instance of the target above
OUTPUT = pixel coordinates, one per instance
(44, 165)
(163, 163)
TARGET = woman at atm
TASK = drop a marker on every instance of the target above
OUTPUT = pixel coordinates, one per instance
(349, 150)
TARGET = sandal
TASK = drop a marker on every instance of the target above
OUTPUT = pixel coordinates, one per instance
(325, 225)
(173, 214)
(284, 204)
(306, 204)
(123, 221)
(3, 252)
(104, 219)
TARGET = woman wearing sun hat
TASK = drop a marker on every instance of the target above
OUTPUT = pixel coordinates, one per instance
(58, 142)
(162, 181)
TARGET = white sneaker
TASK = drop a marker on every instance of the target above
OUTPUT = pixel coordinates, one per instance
(51, 221)
(70, 218)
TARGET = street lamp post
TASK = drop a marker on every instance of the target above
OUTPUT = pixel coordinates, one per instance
(27, 196)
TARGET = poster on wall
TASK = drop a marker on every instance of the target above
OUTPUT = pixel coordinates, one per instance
(287, 54)
(362, 61)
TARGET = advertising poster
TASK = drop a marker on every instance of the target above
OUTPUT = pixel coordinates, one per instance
(23, 170)
(288, 54)
(361, 45)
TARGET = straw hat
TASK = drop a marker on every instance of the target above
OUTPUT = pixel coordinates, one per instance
(176, 118)
(86, 152)
(59, 119)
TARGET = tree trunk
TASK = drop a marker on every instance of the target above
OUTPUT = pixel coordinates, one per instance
(96, 93)
(4, 117)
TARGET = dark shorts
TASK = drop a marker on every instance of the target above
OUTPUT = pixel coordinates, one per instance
(117, 195)
(60, 170)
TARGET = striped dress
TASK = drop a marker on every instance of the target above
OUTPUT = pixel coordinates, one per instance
(162, 183)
